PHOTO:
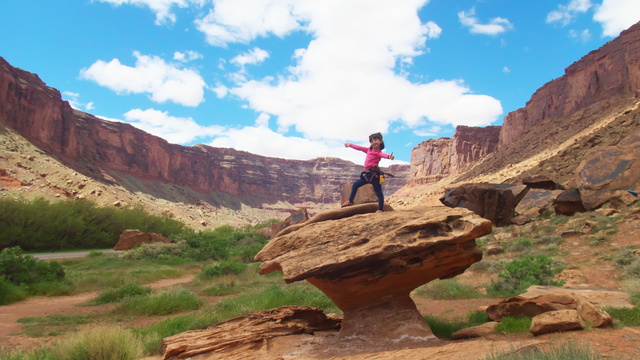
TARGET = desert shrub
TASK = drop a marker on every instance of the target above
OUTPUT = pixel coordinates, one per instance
(158, 251)
(519, 274)
(35, 276)
(10, 293)
(100, 343)
(120, 293)
(519, 244)
(224, 243)
(632, 287)
(224, 268)
(448, 290)
(44, 225)
(165, 303)
(633, 269)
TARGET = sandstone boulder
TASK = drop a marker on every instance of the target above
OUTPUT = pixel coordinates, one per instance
(233, 338)
(605, 170)
(534, 306)
(369, 263)
(569, 202)
(496, 202)
(555, 321)
(132, 238)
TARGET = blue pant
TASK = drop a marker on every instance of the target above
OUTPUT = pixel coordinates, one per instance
(377, 188)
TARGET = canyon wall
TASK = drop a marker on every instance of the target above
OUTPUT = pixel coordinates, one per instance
(435, 159)
(114, 151)
(611, 71)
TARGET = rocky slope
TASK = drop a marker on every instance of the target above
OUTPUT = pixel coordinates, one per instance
(595, 104)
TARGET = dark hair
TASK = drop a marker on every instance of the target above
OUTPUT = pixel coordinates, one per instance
(377, 136)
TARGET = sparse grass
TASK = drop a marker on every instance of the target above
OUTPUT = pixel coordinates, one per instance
(167, 302)
(519, 244)
(514, 325)
(624, 316)
(120, 293)
(38, 353)
(100, 343)
(448, 290)
(566, 350)
(444, 328)
(52, 325)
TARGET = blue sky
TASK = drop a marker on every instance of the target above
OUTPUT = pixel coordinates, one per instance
(297, 79)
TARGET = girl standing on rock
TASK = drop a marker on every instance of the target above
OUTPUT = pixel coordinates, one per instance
(372, 174)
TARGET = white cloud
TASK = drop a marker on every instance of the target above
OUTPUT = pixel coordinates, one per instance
(583, 36)
(240, 21)
(187, 56)
(73, 100)
(162, 8)
(163, 81)
(176, 130)
(506, 69)
(495, 26)
(617, 15)
(261, 140)
(566, 14)
(252, 57)
(344, 83)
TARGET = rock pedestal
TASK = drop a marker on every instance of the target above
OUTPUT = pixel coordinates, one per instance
(368, 264)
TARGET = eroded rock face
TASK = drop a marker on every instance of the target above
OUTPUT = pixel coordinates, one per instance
(369, 263)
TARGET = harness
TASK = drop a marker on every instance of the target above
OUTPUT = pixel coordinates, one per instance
(373, 173)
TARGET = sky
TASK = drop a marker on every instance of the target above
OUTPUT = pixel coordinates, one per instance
(296, 79)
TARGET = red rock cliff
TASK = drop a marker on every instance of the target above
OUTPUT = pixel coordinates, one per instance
(435, 159)
(610, 71)
(113, 151)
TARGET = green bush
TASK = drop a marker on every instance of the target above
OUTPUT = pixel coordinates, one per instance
(224, 243)
(43, 225)
(224, 268)
(514, 325)
(157, 251)
(36, 276)
(518, 275)
(10, 293)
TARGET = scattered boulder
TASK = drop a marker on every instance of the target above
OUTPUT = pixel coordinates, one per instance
(536, 200)
(569, 202)
(485, 329)
(296, 217)
(132, 238)
(542, 182)
(494, 250)
(496, 202)
(622, 199)
(555, 321)
(365, 194)
(232, 338)
(530, 307)
(368, 264)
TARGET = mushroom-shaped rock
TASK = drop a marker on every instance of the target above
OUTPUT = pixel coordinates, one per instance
(369, 263)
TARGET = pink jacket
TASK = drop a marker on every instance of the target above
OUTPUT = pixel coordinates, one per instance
(373, 157)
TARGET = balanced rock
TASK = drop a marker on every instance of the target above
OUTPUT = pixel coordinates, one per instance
(369, 263)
